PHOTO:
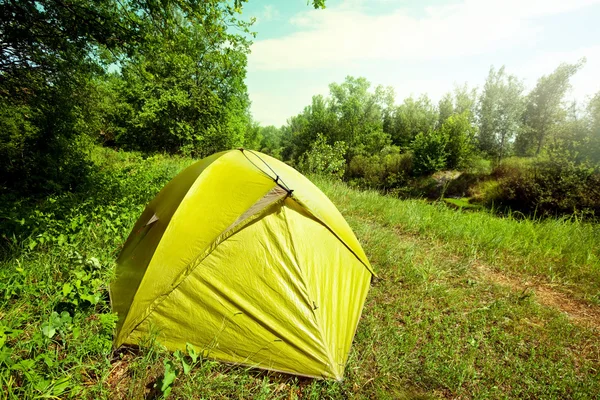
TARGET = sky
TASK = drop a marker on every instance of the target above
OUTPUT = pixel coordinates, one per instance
(416, 47)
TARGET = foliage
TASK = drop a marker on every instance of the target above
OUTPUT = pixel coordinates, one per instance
(500, 110)
(271, 141)
(590, 146)
(42, 148)
(352, 114)
(324, 159)
(359, 114)
(56, 261)
(462, 101)
(551, 186)
(461, 140)
(183, 90)
(411, 118)
(384, 171)
(177, 83)
(430, 151)
(544, 111)
(47, 59)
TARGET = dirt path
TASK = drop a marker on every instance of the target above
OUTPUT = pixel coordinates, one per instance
(577, 311)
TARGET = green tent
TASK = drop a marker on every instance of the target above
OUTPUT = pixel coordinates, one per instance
(243, 257)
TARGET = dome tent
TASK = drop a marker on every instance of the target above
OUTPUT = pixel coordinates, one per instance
(243, 257)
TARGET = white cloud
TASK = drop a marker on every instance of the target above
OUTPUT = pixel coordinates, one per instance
(415, 53)
(345, 34)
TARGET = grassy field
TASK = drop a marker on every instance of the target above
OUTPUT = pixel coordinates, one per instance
(467, 305)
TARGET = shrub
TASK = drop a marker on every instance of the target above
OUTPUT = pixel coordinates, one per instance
(548, 187)
(384, 171)
(462, 185)
(41, 149)
(324, 159)
(478, 165)
(510, 167)
(460, 143)
(430, 152)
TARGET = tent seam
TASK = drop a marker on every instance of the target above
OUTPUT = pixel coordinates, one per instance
(163, 235)
(317, 320)
(322, 222)
(196, 262)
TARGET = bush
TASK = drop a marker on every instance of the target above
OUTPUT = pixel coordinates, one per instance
(548, 187)
(430, 152)
(383, 171)
(460, 143)
(478, 165)
(41, 150)
(511, 167)
(324, 159)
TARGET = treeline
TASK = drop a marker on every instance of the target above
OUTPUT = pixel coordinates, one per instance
(168, 76)
(152, 75)
(361, 135)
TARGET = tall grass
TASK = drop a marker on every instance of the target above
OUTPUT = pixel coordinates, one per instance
(564, 250)
(432, 326)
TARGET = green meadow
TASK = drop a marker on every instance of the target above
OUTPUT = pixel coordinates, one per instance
(466, 304)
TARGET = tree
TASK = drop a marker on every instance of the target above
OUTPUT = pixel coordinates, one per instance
(271, 140)
(591, 149)
(544, 110)
(430, 153)
(184, 88)
(461, 136)
(461, 101)
(465, 100)
(500, 110)
(50, 52)
(445, 108)
(352, 114)
(302, 130)
(182, 66)
(359, 114)
(324, 159)
(411, 118)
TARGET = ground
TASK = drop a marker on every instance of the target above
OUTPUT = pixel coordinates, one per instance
(466, 304)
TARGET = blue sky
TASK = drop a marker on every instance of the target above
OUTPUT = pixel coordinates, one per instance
(414, 46)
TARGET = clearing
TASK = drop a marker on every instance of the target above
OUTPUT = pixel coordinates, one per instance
(467, 305)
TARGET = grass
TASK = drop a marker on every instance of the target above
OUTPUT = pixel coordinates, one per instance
(445, 319)
(558, 250)
(462, 203)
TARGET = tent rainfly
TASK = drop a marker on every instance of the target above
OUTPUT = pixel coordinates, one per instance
(243, 257)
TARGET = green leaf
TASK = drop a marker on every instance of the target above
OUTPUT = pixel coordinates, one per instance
(65, 318)
(94, 262)
(178, 355)
(48, 330)
(60, 386)
(168, 378)
(90, 297)
(186, 367)
(47, 360)
(5, 354)
(191, 350)
(32, 244)
(41, 385)
(67, 288)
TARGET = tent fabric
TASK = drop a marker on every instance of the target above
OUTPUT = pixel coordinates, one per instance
(243, 257)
